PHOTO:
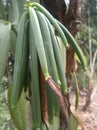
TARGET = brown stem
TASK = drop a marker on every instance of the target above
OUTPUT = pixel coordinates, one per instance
(60, 98)
(44, 107)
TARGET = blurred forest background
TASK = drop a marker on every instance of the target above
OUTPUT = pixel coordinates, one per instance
(86, 38)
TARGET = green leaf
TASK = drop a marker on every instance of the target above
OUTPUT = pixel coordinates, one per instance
(18, 114)
(4, 45)
(13, 42)
(73, 124)
(2, 12)
(63, 52)
(55, 124)
(16, 9)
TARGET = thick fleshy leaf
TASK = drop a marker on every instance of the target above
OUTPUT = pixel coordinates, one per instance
(18, 114)
(4, 45)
